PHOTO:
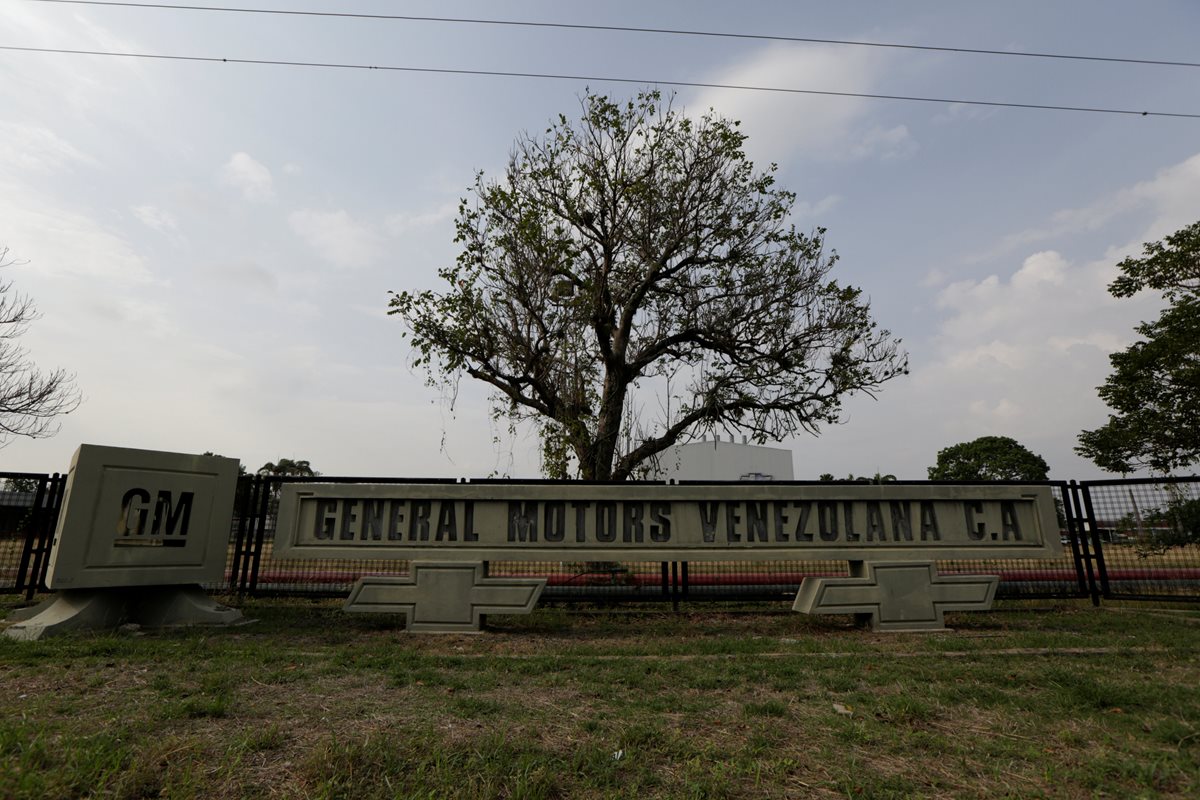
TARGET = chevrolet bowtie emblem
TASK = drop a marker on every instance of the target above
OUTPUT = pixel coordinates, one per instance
(897, 596)
(445, 598)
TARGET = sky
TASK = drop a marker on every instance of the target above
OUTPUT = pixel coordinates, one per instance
(211, 245)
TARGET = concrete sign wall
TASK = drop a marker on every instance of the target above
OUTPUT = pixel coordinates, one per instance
(142, 518)
(466, 522)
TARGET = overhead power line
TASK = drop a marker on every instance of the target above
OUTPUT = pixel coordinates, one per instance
(599, 79)
(631, 29)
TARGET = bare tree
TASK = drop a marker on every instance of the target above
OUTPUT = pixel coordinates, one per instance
(30, 400)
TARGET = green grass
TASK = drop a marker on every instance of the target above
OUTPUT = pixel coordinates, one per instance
(1064, 701)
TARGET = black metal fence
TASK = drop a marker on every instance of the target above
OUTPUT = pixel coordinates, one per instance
(1128, 539)
(1146, 534)
(29, 506)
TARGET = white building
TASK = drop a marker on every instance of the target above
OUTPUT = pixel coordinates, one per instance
(724, 461)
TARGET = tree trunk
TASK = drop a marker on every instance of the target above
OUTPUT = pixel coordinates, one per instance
(603, 449)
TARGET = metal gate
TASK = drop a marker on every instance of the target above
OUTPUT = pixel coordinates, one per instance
(1145, 533)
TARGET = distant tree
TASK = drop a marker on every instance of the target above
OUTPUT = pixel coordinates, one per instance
(239, 496)
(1154, 388)
(1182, 519)
(21, 485)
(878, 478)
(1157, 530)
(286, 467)
(283, 468)
(241, 467)
(637, 245)
(989, 458)
(30, 400)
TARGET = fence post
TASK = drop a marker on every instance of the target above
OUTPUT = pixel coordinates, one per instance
(267, 489)
(245, 487)
(41, 522)
(31, 536)
(254, 514)
(1073, 508)
(675, 586)
(1098, 552)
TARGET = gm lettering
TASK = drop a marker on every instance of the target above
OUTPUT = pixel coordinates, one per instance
(156, 520)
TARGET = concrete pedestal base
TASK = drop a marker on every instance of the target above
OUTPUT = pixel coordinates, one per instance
(98, 609)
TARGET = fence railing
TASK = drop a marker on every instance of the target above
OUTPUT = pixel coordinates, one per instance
(1135, 539)
(29, 506)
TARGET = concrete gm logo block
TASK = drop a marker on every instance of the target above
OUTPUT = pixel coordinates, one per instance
(142, 518)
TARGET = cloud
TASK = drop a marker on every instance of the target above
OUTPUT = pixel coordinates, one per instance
(337, 237)
(963, 112)
(1020, 352)
(145, 318)
(1172, 196)
(32, 148)
(786, 126)
(156, 219)
(887, 144)
(805, 209)
(1041, 270)
(1000, 411)
(1010, 356)
(404, 221)
(243, 274)
(934, 277)
(59, 242)
(989, 355)
(1045, 295)
(250, 177)
(84, 88)
(1105, 341)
